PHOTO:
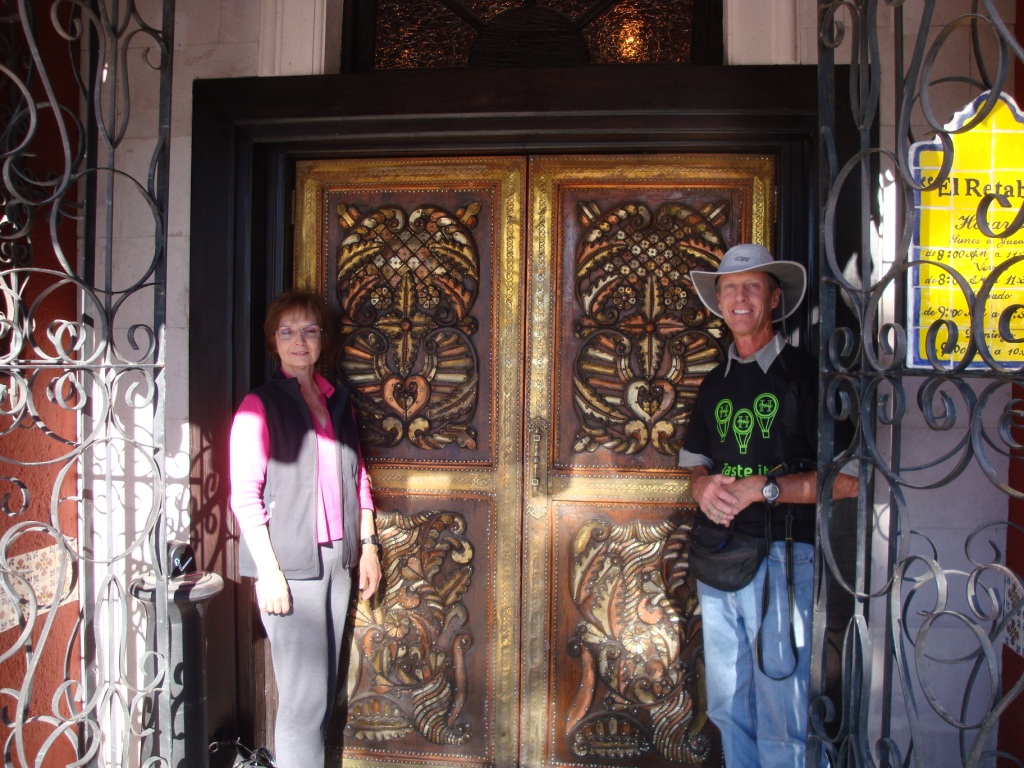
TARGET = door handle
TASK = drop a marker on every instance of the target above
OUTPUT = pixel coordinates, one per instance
(538, 451)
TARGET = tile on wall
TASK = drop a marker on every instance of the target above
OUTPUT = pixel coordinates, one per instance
(40, 580)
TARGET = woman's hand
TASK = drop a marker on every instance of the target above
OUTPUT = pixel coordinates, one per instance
(369, 572)
(272, 593)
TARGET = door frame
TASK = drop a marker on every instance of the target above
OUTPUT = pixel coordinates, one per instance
(247, 135)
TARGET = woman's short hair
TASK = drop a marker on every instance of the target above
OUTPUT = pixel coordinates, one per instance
(286, 303)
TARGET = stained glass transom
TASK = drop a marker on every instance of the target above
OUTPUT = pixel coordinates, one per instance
(417, 34)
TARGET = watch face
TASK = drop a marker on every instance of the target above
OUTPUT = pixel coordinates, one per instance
(770, 491)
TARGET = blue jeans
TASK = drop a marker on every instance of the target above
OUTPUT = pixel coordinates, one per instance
(763, 721)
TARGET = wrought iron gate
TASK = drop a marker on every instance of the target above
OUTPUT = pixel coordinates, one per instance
(82, 361)
(83, 235)
(916, 605)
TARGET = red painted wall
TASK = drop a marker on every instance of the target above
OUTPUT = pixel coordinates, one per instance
(25, 442)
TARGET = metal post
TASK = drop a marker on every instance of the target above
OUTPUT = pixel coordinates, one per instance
(185, 670)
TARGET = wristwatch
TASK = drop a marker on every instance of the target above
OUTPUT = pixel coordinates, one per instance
(374, 539)
(770, 491)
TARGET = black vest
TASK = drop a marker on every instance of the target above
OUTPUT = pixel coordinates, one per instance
(289, 493)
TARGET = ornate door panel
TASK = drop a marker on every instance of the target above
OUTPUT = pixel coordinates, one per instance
(421, 262)
(618, 344)
(536, 609)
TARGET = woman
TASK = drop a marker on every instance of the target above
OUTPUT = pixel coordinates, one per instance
(301, 496)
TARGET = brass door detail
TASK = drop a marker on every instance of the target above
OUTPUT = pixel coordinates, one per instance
(632, 644)
(618, 344)
(536, 608)
(420, 261)
(407, 284)
(410, 677)
(647, 339)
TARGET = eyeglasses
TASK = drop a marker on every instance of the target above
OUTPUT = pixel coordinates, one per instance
(309, 333)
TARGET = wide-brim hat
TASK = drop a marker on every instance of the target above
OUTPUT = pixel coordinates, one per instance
(750, 257)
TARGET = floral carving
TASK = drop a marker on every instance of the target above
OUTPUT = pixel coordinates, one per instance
(639, 649)
(406, 287)
(647, 339)
(411, 676)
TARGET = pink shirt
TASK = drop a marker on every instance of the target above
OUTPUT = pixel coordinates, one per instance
(250, 451)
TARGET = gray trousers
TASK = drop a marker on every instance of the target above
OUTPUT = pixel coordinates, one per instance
(304, 647)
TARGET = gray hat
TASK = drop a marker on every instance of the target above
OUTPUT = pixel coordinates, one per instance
(750, 257)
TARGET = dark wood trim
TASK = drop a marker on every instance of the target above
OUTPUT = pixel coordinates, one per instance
(248, 133)
(211, 401)
(359, 25)
(519, 107)
(707, 44)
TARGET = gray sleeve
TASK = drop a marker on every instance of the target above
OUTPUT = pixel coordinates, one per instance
(689, 459)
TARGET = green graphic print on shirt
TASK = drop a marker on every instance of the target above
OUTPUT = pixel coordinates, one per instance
(750, 421)
(766, 405)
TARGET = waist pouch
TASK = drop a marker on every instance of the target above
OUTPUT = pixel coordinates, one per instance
(723, 558)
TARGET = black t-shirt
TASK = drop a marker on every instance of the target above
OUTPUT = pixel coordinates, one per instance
(748, 422)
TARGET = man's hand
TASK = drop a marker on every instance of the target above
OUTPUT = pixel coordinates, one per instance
(722, 497)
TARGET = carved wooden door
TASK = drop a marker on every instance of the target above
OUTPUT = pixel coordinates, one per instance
(523, 346)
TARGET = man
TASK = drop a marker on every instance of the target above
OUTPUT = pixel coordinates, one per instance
(755, 411)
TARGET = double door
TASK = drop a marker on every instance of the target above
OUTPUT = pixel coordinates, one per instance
(523, 345)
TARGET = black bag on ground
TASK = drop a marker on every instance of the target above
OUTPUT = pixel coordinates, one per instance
(254, 758)
(723, 558)
(244, 757)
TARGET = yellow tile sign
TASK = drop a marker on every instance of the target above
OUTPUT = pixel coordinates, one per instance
(968, 283)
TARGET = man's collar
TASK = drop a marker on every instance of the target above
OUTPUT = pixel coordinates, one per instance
(764, 357)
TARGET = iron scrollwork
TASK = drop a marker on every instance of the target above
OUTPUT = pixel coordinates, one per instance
(82, 388)
(951, 417)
